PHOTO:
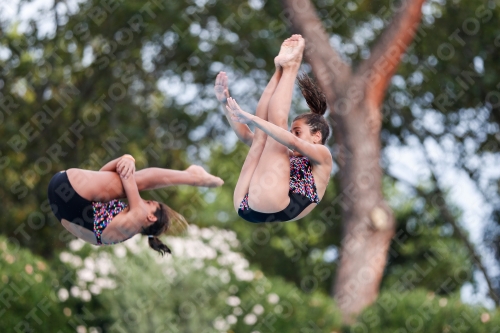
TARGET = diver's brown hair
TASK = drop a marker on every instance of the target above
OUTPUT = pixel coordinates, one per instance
(316, 100)
(165, 218)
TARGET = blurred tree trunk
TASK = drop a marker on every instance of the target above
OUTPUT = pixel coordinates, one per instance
(355, 98)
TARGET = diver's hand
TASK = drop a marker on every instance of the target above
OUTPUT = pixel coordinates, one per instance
(126, 166)
(221, 87)
(237, 114)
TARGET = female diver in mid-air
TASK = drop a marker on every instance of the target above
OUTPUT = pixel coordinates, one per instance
(285, 174)
(86, 202)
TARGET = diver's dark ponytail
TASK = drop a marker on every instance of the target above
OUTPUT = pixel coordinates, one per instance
(166, 218)
(156, 244)
(315, 98)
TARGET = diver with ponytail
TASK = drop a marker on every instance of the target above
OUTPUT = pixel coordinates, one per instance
(88, 205)
(285, 173)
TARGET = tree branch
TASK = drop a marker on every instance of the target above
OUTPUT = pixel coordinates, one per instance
(448, 217)
(379, 68)
(445, 212)
(56, 16)
(328, 67)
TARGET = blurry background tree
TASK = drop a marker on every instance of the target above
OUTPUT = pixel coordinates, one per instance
(86, 82)
(355, 96)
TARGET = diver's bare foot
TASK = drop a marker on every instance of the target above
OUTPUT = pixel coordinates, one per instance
(203, 178)
(284, 49)
(291, 52)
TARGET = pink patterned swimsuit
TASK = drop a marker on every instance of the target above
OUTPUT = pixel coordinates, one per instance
(302, 193)
(104, 212)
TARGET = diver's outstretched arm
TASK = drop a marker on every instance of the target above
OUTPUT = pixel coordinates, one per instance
(318, 154)
(111, 165)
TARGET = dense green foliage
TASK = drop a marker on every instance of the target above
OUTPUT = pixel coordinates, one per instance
(423, 311)
(32, 300)
(207, 287)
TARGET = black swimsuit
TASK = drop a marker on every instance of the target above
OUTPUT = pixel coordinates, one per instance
(67, 204)
(302, 193)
